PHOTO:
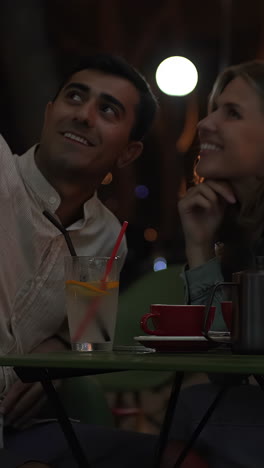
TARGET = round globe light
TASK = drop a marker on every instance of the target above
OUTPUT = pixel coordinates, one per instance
(176, 76)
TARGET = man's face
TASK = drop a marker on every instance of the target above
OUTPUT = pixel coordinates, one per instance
(87, 128)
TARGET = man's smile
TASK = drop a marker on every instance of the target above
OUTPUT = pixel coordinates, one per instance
(79, 139)
(210, 146)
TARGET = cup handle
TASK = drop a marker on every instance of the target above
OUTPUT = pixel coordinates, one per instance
(208, 305)
(144, 324)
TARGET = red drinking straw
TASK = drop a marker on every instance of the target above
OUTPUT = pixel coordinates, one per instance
(95, 303)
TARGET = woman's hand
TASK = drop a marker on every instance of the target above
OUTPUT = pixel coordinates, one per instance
(202, 210)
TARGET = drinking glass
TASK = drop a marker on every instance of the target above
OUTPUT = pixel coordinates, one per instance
(91, 302)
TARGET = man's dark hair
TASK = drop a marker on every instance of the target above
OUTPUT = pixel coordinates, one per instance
(115, 65)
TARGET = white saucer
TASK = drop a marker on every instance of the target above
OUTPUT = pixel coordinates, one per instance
(183, 343)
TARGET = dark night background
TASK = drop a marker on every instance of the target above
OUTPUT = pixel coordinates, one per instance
(40, 39)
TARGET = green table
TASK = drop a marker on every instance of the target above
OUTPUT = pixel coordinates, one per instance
(48, 366)
(114, 361)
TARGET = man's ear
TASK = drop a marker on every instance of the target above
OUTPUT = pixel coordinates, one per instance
(132, 152)
(47, 112)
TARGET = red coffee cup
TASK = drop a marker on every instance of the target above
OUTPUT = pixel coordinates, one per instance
(176, 320)
(227, 312)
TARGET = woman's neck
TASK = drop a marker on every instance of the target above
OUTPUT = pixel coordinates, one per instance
(244, 188)
(248, 192)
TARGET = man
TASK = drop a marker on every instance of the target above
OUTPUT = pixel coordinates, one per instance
(95, 123)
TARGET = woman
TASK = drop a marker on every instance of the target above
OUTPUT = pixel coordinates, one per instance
(223, 223)
(226, 210)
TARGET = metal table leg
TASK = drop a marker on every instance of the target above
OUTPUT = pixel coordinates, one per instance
(65, 423)
(200, 427)
(45, 376)
(260, 380)
(168, 419)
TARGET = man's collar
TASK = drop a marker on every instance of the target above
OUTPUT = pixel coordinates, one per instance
(39, 185)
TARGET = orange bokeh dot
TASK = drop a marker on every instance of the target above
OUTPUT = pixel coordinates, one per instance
(150, 234)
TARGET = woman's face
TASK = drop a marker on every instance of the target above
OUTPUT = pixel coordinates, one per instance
(232, 135)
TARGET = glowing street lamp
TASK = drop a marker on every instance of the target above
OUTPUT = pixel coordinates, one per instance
(176, 76)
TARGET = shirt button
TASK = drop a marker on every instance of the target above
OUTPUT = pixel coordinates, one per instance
(52, 200)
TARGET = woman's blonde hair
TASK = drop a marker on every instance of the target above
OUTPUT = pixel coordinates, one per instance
(252, 72)
(251, 214)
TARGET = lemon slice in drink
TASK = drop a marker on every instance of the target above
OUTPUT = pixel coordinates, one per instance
(89, 289)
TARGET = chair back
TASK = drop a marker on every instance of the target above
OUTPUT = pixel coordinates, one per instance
(160, 287)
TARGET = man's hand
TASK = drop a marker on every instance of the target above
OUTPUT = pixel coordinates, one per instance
(202, 210)
(34, 464)
(24, 400)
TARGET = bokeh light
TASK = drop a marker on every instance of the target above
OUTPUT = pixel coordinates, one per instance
(160, 263)
(141, 191)
(176, 76)
(150, 235)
